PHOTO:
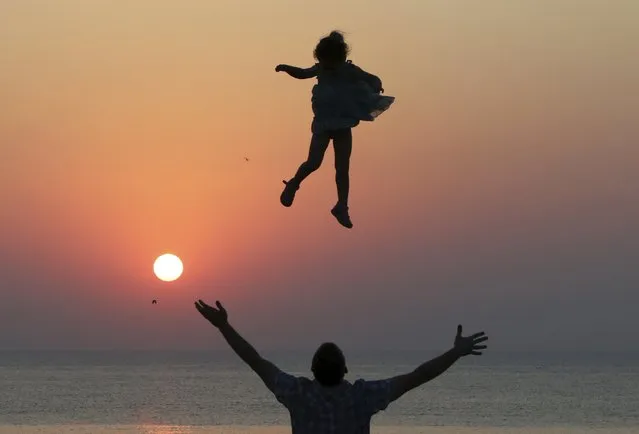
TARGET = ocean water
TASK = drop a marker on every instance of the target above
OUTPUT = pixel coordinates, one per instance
(214, 392)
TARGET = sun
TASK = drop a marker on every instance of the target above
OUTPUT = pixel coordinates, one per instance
(168, 267)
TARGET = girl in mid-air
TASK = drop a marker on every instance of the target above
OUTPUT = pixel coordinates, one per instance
(343, 96)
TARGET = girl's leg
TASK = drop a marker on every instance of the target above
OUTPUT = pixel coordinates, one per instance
(319, 144)
(343, 144)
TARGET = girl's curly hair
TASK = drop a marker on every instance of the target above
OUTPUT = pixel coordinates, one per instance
(332, 48)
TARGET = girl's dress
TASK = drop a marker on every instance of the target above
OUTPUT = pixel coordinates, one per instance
(345, 96)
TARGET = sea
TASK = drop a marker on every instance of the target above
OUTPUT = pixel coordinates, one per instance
(184, 392)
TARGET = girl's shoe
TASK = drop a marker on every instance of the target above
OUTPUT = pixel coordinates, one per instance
(288, 195)
(341, 214)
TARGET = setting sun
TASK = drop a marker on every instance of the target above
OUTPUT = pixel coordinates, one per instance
(168, 267)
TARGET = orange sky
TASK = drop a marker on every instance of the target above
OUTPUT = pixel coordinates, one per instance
(505, 174)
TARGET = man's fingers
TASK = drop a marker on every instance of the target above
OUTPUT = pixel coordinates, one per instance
(202, 303)
(203, 307)
(478, 340)
(219, 306)
(476, 335)
(480, 347)
(476, 353)
(459, 330)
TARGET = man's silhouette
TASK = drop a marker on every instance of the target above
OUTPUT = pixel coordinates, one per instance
(329, 404)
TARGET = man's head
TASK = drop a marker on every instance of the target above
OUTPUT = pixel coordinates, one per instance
(329, 365)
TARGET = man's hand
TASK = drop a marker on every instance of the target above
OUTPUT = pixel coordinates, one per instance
(279, 68)
(218, 317)
(266, 370)
(469, 344)
(433, 368)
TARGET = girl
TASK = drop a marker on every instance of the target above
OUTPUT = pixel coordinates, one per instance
(343, 96)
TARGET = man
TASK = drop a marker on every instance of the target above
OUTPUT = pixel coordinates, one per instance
(329, 404)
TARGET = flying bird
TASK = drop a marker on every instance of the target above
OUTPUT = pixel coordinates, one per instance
(154, 302)
(246, 158)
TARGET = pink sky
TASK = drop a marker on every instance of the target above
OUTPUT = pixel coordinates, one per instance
(500, 191)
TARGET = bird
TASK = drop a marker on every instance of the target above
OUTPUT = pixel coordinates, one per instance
(154, 302)
(246, 158)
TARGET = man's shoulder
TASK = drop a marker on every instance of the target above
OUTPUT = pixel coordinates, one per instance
(300, 380)
(363, 381)
(292, 376)
(371, 385)
(304, 380)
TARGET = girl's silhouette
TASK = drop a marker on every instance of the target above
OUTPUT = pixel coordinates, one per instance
(343, 96)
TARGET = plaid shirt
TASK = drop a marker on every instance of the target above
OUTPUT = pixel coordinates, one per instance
(343, 409)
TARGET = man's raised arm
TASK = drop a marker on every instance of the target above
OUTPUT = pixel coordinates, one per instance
(464, 346)
(266, 370)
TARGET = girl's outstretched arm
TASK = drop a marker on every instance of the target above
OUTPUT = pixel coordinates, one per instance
(299, 73)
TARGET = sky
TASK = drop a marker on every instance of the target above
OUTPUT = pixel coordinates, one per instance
(500, 191)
